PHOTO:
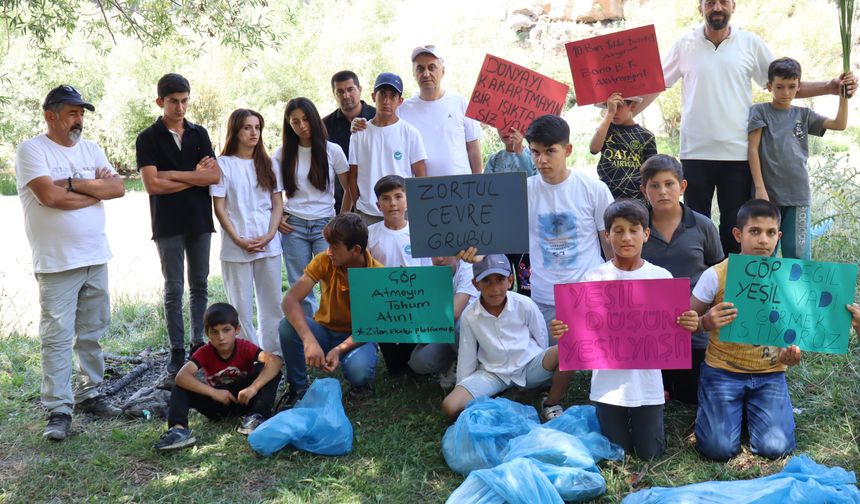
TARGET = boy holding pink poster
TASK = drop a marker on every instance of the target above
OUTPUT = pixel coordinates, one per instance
(629, 402)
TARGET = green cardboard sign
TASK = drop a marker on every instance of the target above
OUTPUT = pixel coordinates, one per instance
(402, 305)
(784, 302)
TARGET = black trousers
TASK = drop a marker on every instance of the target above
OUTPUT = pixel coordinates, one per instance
(683, 384)
(181, 400)
(638, 430)
(733, 182)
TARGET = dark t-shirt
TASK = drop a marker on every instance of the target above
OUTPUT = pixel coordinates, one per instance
(188, 211)
(338, 126)
(223, 372)
(623, 152)
(693, 248)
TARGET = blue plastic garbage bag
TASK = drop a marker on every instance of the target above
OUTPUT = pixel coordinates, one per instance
(516, 482)
(563, 459)
(478, 438)
(802, 481)
(581, 421)
(317, 424)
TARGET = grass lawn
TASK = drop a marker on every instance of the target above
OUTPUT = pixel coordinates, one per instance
(397, 448)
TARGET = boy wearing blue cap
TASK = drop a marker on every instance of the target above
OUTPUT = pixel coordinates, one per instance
(503, 341)
(388, 146)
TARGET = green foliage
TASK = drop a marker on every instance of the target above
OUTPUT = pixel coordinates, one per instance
(836, 199)
(240, 24)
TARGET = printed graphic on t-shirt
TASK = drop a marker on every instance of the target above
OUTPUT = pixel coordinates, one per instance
(798, 130)
(226, 376)
(557, 238)
(398, 155)
(76, 172)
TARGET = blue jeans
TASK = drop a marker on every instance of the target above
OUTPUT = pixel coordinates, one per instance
(174, 251)
(724, 398)
(300, 246)
(359, 364)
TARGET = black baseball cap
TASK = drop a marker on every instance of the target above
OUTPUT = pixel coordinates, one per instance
(66, 94)
(389, 79)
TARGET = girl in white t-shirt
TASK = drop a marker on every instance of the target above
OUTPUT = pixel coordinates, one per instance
(629, 402)
(248, 203)
(307, 164)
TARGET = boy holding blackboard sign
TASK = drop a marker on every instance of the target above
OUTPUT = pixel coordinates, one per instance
(503, 341)
(325, 341)
(684, 242)
(629, 402)
(623, 146)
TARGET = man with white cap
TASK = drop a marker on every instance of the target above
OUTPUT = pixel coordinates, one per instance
(453, 141)
(62, 181)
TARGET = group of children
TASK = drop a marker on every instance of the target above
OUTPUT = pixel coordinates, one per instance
(504, 338)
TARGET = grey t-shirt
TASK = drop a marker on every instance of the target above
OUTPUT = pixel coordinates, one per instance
(784, 150)
(693, 248)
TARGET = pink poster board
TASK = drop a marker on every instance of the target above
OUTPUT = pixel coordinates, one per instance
(623, 324)
(627, 61)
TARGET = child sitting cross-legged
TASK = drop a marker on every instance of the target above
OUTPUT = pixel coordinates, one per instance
(241, 379)
(629, 402)
(503, 340)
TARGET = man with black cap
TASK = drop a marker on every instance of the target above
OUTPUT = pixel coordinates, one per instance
(388, 146)
(62, 181)
(453, 140)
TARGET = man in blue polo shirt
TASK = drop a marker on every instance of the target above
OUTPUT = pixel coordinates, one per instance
(177, 165)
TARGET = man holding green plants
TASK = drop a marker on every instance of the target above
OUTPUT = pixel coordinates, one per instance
(62, 181)
(716, 62)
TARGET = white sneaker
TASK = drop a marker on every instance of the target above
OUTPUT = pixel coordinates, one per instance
(448, 379)
(548, 413)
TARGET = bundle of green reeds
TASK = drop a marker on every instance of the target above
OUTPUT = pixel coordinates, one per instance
(846, 18)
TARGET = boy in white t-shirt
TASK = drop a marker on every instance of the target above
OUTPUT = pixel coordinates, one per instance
(388, 146)
(629, 401)
(388, 240)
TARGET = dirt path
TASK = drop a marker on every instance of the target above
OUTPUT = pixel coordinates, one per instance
(135, 271)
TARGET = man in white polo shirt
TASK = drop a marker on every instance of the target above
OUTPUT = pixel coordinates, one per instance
(62, 181)
(716, 62)
(452, 140)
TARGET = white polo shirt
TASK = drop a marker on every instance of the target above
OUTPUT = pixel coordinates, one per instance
(716, 91)
(502, 345)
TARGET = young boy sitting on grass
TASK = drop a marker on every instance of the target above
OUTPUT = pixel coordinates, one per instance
(503, 340)
(684, 242)
(629, 402)
(778, 137)
(623, 146)
(739, 380)
(325, 341)
(241, 379)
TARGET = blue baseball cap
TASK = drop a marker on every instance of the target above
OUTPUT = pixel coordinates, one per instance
(491, 264)
(389, 79)
(66, 94)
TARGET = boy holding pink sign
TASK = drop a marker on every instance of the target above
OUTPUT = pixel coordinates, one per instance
(629, 402)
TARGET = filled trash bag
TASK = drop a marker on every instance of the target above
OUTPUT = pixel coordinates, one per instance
(516, 482)
(563, 459)
(479, 437)
(801, 481)
(581, 422)
(316, 424)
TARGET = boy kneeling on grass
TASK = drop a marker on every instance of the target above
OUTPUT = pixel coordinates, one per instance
(629, 402)
(241, 379)
(503, 341)
(739, 380)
